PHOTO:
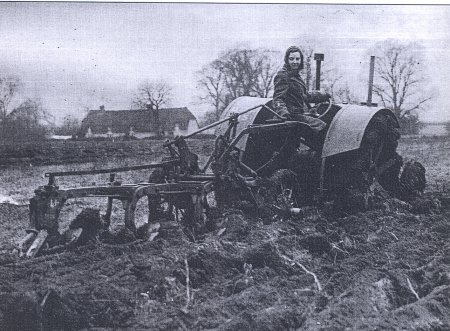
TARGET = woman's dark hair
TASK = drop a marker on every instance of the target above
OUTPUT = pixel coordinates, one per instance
(290, 50)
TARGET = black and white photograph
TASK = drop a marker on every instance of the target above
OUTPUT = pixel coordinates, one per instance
(224, 166)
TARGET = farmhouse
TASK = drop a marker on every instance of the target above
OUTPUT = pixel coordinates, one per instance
(139, 123)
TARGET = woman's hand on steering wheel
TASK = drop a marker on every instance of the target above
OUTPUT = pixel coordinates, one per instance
(329, 102)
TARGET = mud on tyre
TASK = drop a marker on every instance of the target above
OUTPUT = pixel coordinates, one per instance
(352, 175)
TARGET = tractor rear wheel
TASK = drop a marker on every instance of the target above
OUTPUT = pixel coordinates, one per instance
(373, 170)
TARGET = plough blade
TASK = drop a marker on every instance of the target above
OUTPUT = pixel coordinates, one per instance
(26, 241)
(37, 243)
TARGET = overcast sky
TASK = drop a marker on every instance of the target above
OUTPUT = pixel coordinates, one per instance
(83, 55)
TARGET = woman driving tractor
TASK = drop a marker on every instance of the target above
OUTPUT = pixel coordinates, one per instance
(291, 98)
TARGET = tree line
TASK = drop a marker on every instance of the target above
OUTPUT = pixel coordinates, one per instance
(400, 79)
(26, 121)
(400, 84)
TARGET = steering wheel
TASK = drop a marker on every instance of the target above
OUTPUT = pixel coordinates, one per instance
(329, 105)
(317, 106)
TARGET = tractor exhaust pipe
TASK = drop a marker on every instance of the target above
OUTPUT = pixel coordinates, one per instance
(318, 57)
(371, 73)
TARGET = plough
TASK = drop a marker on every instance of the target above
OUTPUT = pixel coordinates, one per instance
(257, 156)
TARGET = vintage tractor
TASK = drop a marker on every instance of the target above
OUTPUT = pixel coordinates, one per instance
(259, 160)
(355, 151)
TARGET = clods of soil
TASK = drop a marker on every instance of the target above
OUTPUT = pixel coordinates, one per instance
(383, 269)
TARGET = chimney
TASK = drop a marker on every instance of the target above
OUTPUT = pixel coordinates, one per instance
(149, 106)
(102, 108)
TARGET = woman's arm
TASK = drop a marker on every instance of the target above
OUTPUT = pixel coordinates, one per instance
(281, 87)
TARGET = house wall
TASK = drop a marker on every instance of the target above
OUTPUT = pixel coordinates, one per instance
(105, 135)
(141, 135)
(59, 137)
(192, 127)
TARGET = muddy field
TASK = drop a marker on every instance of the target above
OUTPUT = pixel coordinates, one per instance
(384, 269)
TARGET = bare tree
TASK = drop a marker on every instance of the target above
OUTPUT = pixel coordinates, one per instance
(28, 121)
(212, 85)
(9, 88)
(208, 118)
(308, 52)
(70, 126)
(237, 72)
(269, 65)
(240, 68)
(343, 94)
(330, 77)
(400, 78)
(334, 83)
(153, 95)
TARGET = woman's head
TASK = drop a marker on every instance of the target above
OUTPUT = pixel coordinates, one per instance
(293, 58)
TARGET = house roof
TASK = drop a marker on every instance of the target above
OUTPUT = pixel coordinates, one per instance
(141, 120)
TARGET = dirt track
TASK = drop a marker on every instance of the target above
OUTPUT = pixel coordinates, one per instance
(384, 269)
